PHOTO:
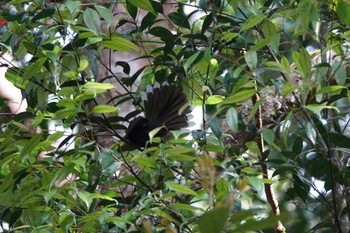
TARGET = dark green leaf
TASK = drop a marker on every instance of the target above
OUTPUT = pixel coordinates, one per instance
(214, 220)
(179, 19)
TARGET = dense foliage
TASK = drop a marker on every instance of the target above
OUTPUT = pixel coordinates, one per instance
(270, 76)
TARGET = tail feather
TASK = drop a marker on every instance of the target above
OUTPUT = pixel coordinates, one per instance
(165, 104)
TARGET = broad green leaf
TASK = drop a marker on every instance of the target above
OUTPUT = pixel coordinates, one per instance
(252, 21)
(214, 99)
(73, 6)
(143, 4)
(240, 96)
(86, 198)
(106, 14)
(84, 63)
(251, 58)
(120, 44)
(214, 220)
(180, 188)
(232, 119)
(215, 126)
(104, 109)
(92, 20)
(343, 12)
(179, 19)
(66, 221)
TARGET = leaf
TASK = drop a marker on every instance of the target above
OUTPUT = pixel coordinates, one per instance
(98, 86)
(73, 6)
(330, 89)
(66, 221)
(92, 21)
(232, 119)
(180, 188)
(239, 96)
(251, 59)
(143, 4)
(253, 225)
(181, 206)
(302, 62)
(215, 126)
(43, 14)
(214, 99)
(106, 14)
(104, 109)
(85, 197)
(179, 19)
(343, 9)
(108, 162)
(34, 68)
(119, 44)
(189, 61)
(252, 21)
(317, 108)
(31, 145)
(214, 220)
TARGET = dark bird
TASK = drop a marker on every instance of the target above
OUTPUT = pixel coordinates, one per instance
(164, 105)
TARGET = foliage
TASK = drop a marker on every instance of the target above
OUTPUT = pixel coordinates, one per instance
(295, 58)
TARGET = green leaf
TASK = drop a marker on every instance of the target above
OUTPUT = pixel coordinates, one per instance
(317, 108)
(214, 220)
(302, 62)
(106, 14)
(252, 21)
(181, 206)
(343, 12)
(85, 197)
(92, 20)
(108, 162)
(31, 145)
(73, 6)
(252, 224)
(104, 109)
(330, 89)
(251, 58)
(180, 188)
(98, 86)
(179, 19)
(34, 68)
(232, 119)
(66, 221)
(214, 99)
(215, 126)
(189, 61)
(240, 96)
(143, 4)
(119, 44)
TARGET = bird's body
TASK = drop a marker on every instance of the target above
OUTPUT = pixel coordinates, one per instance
(164, 105)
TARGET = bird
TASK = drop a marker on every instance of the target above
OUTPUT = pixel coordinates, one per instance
(165, 105)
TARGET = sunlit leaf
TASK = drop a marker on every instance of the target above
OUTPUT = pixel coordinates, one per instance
(104, 109)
